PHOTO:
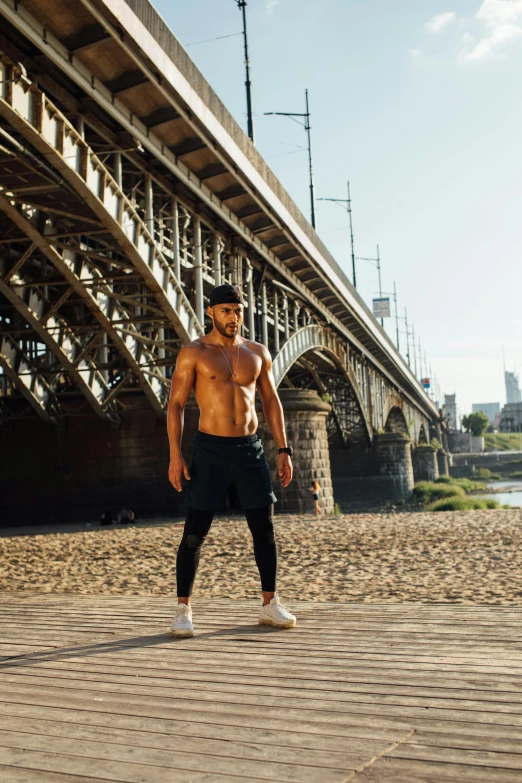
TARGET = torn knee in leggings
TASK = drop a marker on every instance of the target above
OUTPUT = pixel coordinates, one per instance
(193, 542)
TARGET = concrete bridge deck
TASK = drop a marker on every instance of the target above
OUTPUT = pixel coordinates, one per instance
(93, 688)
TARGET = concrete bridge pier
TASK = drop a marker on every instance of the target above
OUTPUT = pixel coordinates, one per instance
(442, 461)
(394, 465)
(305, 418)
(425, 463)
(380, 472)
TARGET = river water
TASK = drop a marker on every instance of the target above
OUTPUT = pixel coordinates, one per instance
(506, 498)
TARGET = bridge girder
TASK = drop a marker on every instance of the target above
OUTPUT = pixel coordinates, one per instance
(173, 263)
(354, 321)
(350, 413)
(101, 301)
(48, 130)
(64, 343)
(28, 379)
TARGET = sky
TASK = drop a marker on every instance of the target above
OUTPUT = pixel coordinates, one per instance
(418, 104)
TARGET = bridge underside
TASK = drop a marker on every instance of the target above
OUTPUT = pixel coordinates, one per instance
(120, 209)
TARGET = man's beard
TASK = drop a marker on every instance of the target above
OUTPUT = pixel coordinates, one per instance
(223, 330)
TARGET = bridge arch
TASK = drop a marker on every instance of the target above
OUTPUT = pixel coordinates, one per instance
(395, 421)
(346, 397)
(423, 437)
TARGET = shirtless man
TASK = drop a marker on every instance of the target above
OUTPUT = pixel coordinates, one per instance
(224, 369)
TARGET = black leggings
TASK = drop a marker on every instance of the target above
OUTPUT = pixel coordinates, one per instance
(197, 525)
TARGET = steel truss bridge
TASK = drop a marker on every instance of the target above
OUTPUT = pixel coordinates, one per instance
(126, 193)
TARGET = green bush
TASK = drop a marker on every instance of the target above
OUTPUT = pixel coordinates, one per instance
(463, 504)
(427, 491)
(486, 473)
(467, 484)
(516, 474)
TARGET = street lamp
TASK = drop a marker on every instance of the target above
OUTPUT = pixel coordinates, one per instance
(306, 126)
(377, 263)
(348, 202)
(241, 4)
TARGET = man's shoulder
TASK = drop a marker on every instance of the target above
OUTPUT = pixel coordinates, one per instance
(191, 351)
(196, 346)
(258, 348)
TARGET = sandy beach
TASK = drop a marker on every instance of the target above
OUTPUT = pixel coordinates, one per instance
(468, 557)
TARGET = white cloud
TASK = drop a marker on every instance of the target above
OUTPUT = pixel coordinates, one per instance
(440, 22)
(499, 36)
(503, 19)
(271, 4)
(498, 12)
(415, 52)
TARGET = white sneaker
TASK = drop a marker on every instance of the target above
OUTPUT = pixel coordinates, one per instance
(182, 622)
(276, 615)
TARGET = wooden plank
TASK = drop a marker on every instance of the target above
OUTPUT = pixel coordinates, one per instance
(19, 775)
(271, 697)
(279, 676)
(457, 740)
(298, 734)
(210, 704)
(469, 756)
(107, 770)
(280, 663)
(271, 642)
(390, 770)
(349, 753)
(197, 647)
(305, 689)
(446, 615)
(368, 727)
(358, 725)
(130, 756)
(364, 614)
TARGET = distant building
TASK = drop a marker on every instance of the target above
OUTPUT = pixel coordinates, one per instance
(513, 393)
(511, 417)
(450, 405)
(465, 443)
(491, 409)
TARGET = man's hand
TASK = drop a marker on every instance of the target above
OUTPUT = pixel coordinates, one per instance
(177, 468)
(285, 469)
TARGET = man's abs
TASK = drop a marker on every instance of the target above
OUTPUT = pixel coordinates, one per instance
(226, 409)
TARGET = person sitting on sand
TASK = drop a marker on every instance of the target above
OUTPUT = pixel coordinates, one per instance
(106, 518)
(315, 489)
(126, 516)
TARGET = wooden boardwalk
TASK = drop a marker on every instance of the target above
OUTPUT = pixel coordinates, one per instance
(93, 688)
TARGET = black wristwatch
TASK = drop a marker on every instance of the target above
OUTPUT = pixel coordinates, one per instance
(287, 450)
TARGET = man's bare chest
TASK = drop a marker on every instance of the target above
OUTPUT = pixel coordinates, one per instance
(222, 365)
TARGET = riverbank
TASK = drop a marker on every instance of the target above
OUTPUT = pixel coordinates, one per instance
(468, 557)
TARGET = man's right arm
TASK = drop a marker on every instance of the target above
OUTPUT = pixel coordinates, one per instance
(182, 383)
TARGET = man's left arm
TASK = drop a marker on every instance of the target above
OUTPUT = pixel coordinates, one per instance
(274, 417)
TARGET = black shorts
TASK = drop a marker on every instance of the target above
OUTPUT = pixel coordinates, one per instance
(236, 467)
(315, 497)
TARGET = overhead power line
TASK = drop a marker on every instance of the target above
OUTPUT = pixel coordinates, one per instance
(208, 40)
